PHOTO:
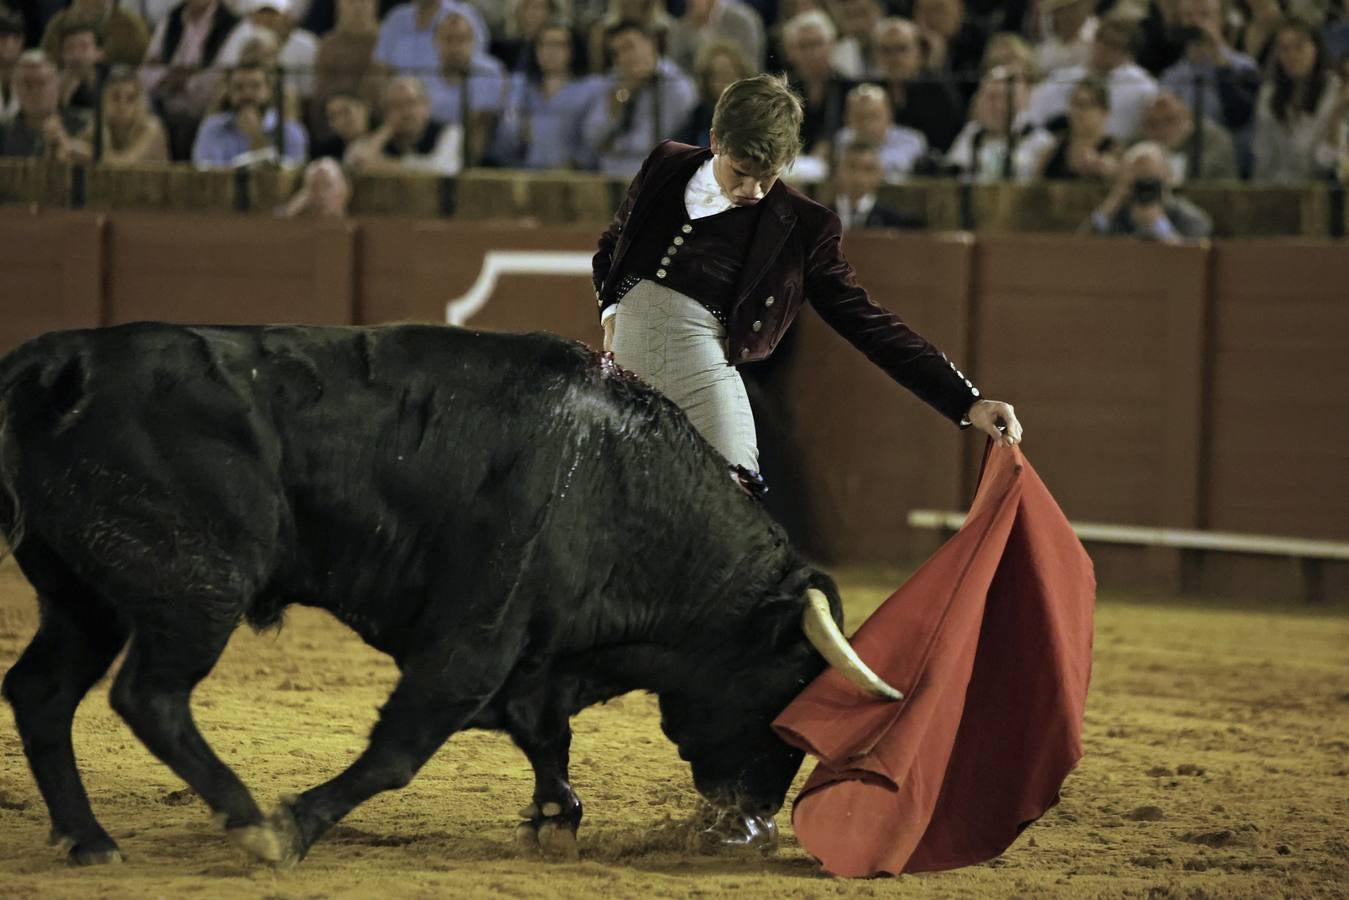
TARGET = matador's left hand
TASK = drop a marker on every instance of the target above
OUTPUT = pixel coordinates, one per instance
(988, 415)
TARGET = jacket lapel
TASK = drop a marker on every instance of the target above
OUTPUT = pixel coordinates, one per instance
(775, 224)
(660, 181)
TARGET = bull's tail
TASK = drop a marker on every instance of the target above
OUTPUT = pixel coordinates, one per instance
(11, 513)
(21, 387)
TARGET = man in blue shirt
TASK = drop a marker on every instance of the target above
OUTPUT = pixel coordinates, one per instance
(466, 72)
(407, 43)
(246, 132)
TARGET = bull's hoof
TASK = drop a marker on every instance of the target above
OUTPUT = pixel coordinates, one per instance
(557, 841)
(733, 831)
(94, 856)
(546, 834)
(275, 842)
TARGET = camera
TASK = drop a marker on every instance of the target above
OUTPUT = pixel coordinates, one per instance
(1147, 190)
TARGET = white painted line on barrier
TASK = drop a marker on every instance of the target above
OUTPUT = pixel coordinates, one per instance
(496, 263)
(1167, 537)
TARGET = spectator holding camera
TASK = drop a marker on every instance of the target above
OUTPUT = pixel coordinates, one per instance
(1294, 118)
(1142, 204)
(246, 131)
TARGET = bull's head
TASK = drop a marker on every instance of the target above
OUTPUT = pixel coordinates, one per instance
(739, 764)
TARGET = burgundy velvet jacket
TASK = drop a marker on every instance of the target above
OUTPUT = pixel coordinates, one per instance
(795, 255)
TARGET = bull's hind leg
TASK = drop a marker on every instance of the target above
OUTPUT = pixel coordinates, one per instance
(172, 649)
(76, 642)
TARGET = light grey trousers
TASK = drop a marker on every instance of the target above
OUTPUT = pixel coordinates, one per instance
(675, 345)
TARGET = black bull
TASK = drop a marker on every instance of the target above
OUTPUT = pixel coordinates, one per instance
(526, 530)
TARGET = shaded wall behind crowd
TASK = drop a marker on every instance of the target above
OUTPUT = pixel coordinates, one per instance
(1188, 387)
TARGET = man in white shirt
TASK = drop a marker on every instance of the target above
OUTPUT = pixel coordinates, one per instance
(298, 48)
(1067, 28)
(409, 137)
(868, 118)
(1112, 60)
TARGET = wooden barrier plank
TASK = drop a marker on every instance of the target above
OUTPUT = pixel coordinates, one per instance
(234, 269)
(1099, 344)
(866, 461)
(51, 271)
(1278, 461)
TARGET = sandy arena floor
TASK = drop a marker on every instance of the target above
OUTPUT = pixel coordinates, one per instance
(1217, 762)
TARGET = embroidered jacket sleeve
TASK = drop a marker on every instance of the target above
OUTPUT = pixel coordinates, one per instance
(904, 354)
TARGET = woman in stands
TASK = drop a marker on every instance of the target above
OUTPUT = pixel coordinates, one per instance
(132, 135)
(1294, 114)
(540, 126)
(1086, 150)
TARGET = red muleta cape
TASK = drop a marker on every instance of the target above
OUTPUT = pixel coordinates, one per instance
(990, 643)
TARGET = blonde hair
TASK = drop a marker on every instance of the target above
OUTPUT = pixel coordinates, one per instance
(757, 121)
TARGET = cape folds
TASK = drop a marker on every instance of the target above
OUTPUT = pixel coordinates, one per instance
(990, 642)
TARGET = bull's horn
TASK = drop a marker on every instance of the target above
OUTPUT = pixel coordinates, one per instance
(823, 633)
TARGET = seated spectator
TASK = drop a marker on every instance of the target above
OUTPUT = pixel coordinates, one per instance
(857, 178)
(81, 55)
(867, 119)
(469, 88)
(1131, 88)
(1068, 28)
(324, 193)
(719, 63)
(926, 101)
(1211, 76)
(343, 62)
(407, 36)
(1255, 37)
(1334, 149)
(524, 20)
(954, 45)
(644, 100)
(1194, 156)
(650, 14)
(297, 49)
(1141, 203)
(151, 12)
(245, 132)
(1011, 52)
(177, 73)
(41, 128)
(1000, 141)
(1086, 150)
(123, 33)
(808, 44)
(408, 139)
(1295, 113)
(708, 21)
(11, 45)
(852, 49)
(1159, 36)
(540, 127)
(132, 135)
(346, 118)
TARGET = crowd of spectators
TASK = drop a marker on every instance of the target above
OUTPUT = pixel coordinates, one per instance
(1115, 91)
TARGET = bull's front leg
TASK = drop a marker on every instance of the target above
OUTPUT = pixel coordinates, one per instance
(418, 718)
(554, 815)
